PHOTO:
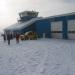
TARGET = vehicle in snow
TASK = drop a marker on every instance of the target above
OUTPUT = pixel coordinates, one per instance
(30, 35)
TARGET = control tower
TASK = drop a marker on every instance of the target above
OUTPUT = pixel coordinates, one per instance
(27, 15)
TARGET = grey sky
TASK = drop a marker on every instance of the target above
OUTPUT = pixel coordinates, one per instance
(9, 9)
(69, 1)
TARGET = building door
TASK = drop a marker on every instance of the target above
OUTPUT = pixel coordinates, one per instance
(71, 29)
(56, 29)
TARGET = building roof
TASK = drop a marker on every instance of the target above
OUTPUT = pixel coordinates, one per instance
(66, 14)
(19, 26)
(27, 11)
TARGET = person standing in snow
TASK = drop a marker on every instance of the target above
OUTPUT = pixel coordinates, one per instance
(4, 37)
(8, 38)
(17, 37)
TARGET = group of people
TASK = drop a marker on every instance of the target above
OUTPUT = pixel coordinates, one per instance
(9, 36)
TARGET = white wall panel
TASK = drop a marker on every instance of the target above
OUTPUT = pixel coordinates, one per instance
(71, 36)
(71, 25)
(56, 26)
(57, 35)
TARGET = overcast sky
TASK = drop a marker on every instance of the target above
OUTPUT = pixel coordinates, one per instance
(9, 9)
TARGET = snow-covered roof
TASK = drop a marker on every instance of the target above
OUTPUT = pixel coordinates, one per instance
(18, 26)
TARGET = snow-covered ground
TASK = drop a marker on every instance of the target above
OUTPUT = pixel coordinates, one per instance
(38, 57)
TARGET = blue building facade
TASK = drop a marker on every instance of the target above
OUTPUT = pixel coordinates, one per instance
(44, 26)
(59, 26)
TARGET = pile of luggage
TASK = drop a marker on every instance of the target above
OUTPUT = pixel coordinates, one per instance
(29, 36)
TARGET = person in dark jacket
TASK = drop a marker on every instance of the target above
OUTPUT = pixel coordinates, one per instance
(8, 38)
(4, 37)
(17, 37)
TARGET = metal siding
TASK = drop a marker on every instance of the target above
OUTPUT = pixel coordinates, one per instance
(71, 36)
(57, 35)
(55, 28)
(71, 28)
(43, 27)
(71, 25)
